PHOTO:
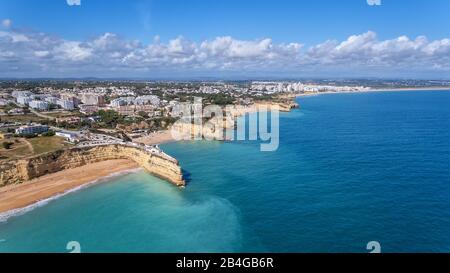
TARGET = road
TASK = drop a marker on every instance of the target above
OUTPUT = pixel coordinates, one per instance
(41, 115)
(36, 113)
(29, 146)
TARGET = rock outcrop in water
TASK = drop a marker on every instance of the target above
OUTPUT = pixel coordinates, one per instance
(158, 164)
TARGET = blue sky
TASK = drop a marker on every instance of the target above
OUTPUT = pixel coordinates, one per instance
(308, 23)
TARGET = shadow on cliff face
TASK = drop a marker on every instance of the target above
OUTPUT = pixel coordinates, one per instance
(187, 176)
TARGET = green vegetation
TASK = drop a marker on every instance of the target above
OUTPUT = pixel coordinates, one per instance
(162, 123)
(219, 99)
(47, 144)
(7, 145)
(143, 114)
(63, 114)
(49, 134)
(110, 118)
(70, 126)
(27, 136)
(8, 107)
(18, 148)
(27, 118)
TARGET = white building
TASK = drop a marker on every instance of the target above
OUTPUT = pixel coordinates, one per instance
(17, 94)
(71, 97)
(117, 102)
(71, 137)
(92, 99)
(122, 101)
(66, 104)
(32, 129)
(39, 105)
(51, 100)
(149, 99)
(23, 100)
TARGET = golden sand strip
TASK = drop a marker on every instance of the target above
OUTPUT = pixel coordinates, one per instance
(156, 138)
(23, 195)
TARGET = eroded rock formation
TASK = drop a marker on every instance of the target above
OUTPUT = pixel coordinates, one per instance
(23, 170)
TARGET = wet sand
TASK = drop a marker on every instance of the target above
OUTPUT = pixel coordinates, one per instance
(25, 194)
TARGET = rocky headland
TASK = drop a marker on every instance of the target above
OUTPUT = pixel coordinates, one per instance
(155, 162)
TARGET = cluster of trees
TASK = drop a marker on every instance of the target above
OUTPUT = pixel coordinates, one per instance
(221, 99)
(265, 97)
(163, 123)
(110, 118)
(9, 107)
(7, 145)
(48, 134)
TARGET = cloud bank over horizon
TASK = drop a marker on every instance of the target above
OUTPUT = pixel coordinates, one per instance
(35, 54)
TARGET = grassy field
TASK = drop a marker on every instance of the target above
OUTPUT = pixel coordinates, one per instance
(63, 114)
(23, 148)
(22, 118)
(47, 144)
(19, 149)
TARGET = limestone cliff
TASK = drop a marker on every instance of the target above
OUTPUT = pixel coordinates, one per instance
(216, 128)
(190, 131)
(285, 106)
(20, 171)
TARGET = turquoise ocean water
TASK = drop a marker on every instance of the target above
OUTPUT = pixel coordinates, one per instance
(351, 168)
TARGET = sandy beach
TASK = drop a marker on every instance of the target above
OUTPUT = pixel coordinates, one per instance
(156, 138)
(22, 195)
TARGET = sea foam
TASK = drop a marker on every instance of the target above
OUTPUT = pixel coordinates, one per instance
(4, 216)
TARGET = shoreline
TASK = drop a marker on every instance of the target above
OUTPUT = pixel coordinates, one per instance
(20, 198)
(410, 89)
(157, 138)
(374, 90)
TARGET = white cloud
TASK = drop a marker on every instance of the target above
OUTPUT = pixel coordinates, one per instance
(72, 51)
(74, 2)
(366, 49)
(228, 47)
(6, 54)
(14, 37)
(6, 23)
(109, 52)
(41, 53)
(374, 2)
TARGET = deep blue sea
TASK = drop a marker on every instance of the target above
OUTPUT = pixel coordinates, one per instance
(351, 168)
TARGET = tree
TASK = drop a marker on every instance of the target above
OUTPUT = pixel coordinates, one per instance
(110, 117)
(48, 134)
(143, 114)
(7, 145)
